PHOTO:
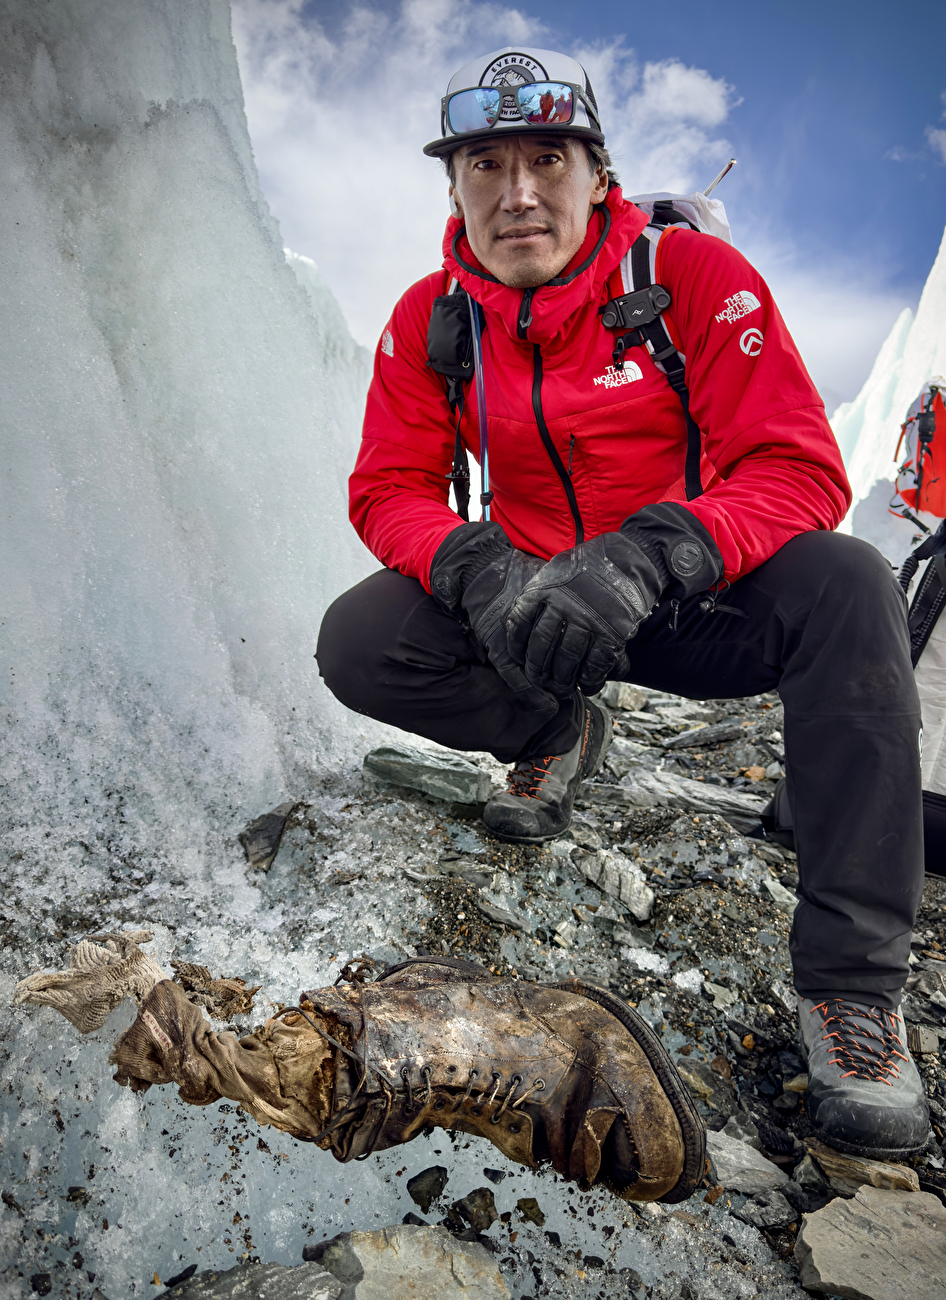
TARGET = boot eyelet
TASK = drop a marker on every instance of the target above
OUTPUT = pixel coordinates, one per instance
(439, 1104)
(517, 1079)
(451, 1069)
(477, 1110)
(514, 1128)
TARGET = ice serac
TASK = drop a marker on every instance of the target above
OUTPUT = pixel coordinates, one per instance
(181, 408)
(867, 429)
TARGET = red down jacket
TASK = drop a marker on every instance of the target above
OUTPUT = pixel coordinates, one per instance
(771, 468)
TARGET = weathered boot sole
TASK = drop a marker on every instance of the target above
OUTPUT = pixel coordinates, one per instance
(692, 1129)
(691, 1125)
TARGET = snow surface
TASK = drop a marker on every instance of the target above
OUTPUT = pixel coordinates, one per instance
(868, 428)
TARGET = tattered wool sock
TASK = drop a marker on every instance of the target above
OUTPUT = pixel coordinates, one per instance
(105, 968)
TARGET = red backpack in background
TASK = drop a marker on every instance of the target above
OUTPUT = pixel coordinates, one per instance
(921, 478)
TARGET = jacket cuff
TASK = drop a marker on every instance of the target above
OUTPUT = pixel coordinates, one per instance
(678, 545)
(461, 557)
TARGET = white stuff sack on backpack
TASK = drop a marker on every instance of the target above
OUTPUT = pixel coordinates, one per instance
(708, 215)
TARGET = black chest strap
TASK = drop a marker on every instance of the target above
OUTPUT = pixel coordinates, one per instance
(641, 310)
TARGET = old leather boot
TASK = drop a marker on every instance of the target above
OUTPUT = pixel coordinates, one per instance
(105, 969)
(537, 804)
(865, 1095)
(561, 1073)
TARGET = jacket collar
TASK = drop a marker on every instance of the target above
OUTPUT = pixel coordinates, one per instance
(554, 306)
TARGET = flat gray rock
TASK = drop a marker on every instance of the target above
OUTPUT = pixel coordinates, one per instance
(882, 1245)
(623, 695)
(262, 837)
(740, 1168)
(499, 916)
(261, 1282)
(443, 776)
(407, 1262)
(618, 876)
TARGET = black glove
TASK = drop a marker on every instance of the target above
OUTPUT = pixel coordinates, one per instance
(476, 573)
(572, 621)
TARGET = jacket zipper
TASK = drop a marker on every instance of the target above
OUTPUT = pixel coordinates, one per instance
(546, 437)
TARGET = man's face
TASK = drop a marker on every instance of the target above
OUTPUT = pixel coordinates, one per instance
(526, 200)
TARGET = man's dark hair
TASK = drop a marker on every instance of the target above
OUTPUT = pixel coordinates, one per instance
(598, 158)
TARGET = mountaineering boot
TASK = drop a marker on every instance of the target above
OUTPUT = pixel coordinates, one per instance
(865, 1095)
(537, 803)
(562, 1073)
(106, 968)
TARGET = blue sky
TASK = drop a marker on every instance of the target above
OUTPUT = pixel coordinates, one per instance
(835, 111)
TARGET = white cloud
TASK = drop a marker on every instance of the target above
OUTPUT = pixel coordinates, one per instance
(338, 122)
(936, 139)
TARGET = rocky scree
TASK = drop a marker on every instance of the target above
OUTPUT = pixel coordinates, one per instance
(682, 910)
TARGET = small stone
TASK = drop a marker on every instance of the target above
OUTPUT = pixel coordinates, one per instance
(411, 1217)
(446, 776)
(583, 833)
(882, 1245)
(499, 916)
(786, 996)
(616, 875)
(622, 695)
(427, 1186)
(774, 772)
(714, 1193)
(810, 1178)
(700, 736)
(723, 998)
(262, 837)
(308, 1281)
(741, 1127)
(528, 1207)
(922, 1040)
(406, 1261)
(754, 772)
(767, 1210)
(847, 1173)
(495, 1175)
(783, 898)
(478, 1208)
(740, 1168)
(798, 1084)
(41, 1283)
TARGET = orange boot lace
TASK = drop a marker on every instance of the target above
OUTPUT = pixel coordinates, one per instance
(528, 776)
(864, 1042)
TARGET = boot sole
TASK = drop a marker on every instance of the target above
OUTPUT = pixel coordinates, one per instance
(870, 1153)
(691, 1126)
(455, 963)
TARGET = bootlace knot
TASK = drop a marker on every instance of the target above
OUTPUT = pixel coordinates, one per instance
(529, 775)
(863, 1041)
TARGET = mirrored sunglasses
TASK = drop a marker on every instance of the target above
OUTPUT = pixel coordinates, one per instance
(539, 103)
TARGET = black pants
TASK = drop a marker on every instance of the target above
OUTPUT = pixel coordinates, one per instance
(825, 626)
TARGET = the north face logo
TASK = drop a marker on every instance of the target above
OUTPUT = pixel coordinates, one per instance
(739, 305)
(387, 343)
(613, 378)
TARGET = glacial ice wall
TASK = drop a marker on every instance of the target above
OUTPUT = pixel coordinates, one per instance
(867, 429)
(180, 413)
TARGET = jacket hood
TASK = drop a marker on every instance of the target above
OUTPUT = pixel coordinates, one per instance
(613, 227)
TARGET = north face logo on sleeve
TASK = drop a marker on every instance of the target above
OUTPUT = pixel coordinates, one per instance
(739, 305)
(613, 378)
(387, 343)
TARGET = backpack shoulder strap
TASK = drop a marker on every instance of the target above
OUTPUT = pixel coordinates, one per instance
(645, 303)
